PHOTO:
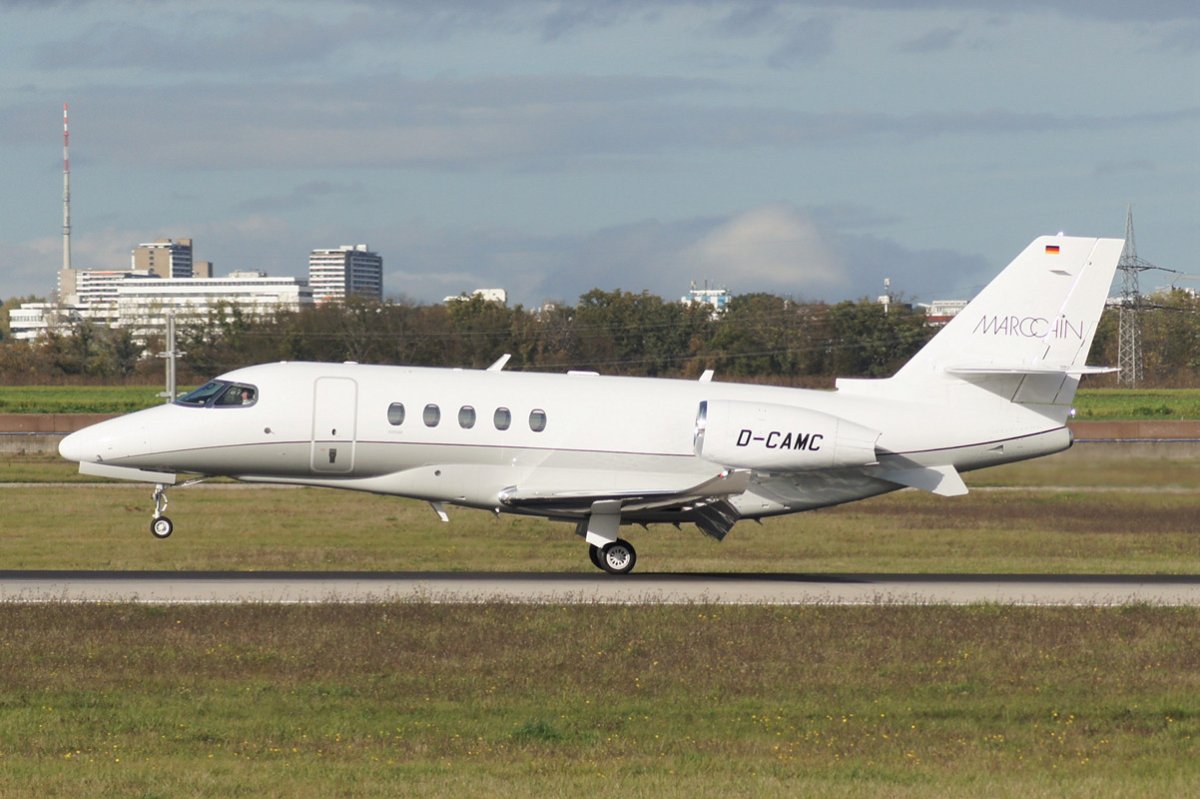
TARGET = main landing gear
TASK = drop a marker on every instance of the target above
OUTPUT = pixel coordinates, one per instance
(615, 557)
(160, 526)
(606, 551)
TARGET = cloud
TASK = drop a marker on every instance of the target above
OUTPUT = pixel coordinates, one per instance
(1129, 166)
(1184, 38)
(773, 247)
(776, 248)
(222, 43)
(922, 274)
(521, 124)
(936, 40)
(306, 195)
(804, 42)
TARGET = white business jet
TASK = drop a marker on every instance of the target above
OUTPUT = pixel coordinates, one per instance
(993, 386)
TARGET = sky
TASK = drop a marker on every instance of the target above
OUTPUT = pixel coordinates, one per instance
(808, 148)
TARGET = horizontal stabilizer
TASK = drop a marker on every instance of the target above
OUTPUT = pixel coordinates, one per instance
(941, 480)
(126, 473)
(1030, 369)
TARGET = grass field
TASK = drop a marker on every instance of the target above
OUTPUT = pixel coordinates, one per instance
(694, 701)
(1119, 404)
(77, 399)
(511, 700)
(1095, 508)
(1091, 404)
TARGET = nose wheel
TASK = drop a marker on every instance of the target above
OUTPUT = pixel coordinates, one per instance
(160, 526)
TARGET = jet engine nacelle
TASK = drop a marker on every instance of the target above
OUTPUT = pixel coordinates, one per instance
(779, 438)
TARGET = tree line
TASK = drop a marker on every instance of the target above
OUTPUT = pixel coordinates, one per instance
(759, 337)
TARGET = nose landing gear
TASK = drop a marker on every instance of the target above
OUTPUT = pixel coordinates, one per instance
(160, 525)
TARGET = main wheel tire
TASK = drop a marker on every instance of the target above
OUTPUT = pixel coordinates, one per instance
(161, 527)
(594, 557)
(618, 557)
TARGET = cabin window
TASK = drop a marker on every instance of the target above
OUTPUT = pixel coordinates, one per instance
(237, 395)
(466, 417)
(537, 420)
(396, 414)
(202, 396)
(220, 394)
(432, 415)
(502, 418)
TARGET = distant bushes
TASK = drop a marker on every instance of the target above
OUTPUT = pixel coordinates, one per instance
(760, 337)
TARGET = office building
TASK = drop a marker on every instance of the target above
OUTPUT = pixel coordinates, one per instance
(348, 270)
(165, 258)
(142, 303)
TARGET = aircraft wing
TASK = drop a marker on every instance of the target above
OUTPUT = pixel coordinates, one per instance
(577, 501)
(706, 503)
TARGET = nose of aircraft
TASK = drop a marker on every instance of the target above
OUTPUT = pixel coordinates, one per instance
(129, 436)
(81, 445)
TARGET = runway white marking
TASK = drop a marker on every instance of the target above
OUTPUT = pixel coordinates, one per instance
(764, 589)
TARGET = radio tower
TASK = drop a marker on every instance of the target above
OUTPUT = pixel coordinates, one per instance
(66, 191)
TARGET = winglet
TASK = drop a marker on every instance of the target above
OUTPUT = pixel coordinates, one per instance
(499, 364)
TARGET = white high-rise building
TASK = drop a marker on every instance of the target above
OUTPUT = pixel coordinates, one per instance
(350, 269)
(142, 303)
(91, 294)
(31, 320)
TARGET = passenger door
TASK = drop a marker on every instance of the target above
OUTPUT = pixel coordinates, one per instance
(335, 412)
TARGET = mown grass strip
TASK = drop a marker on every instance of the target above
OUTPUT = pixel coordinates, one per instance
(429, 700)
(253, 528)
(1137, 404)
(77, 399)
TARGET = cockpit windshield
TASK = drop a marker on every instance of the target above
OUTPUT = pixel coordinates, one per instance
(220, 394)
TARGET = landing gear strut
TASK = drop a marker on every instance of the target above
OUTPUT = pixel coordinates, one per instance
(160, 525)
(599, 528)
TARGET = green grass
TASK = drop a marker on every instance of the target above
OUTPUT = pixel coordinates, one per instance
(1137, 404)
(77, 399)
(1091, 404)
(1095, 508)
(691, 701)
(247, 528)
(695, 701)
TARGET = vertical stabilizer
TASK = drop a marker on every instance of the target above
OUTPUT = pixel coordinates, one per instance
(1038, 316)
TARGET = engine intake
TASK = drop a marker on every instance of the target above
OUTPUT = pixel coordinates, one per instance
(779, 438)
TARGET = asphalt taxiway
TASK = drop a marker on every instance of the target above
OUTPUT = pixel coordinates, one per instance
(161, 587)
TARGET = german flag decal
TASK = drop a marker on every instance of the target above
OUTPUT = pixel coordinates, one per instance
(1052, 249)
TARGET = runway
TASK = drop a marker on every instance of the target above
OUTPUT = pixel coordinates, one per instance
(570, 588)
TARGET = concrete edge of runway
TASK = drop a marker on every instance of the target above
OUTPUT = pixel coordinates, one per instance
(148, 587)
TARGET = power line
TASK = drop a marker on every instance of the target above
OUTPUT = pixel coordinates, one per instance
(1129, 338)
